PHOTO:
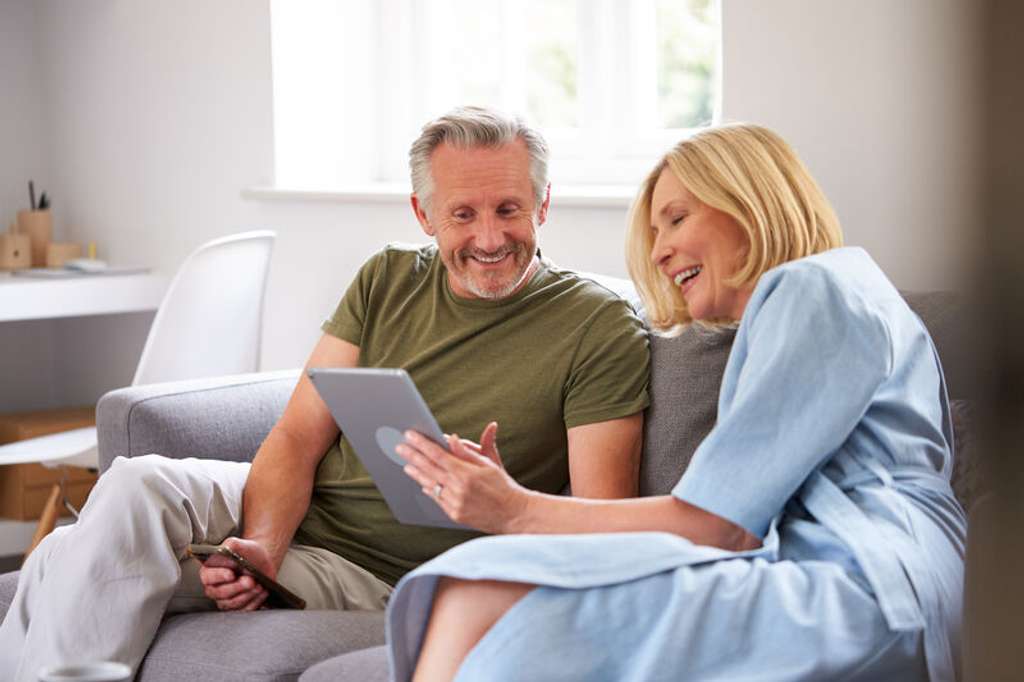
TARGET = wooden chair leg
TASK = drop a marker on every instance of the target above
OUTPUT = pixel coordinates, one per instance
(48, 519)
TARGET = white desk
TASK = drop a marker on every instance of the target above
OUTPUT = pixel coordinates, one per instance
(31, 298)
(67, 341)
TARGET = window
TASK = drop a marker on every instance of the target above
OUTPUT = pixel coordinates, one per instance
(612, 83)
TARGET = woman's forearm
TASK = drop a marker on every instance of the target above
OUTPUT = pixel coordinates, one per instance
(554, 514)
(277, 493)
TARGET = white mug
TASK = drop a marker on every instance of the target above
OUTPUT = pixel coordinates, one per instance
(97, 671)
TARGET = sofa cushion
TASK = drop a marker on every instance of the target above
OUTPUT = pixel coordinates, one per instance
(948, 323)
(268, 645)
(686, 374)
(966, 478)
(368, 665)
(212, 418)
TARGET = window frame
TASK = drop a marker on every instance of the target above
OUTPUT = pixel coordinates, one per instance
(616, 143)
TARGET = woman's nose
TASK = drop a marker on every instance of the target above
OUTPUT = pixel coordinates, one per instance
(659, 251)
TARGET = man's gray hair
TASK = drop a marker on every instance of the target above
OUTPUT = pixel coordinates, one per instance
(467, 127)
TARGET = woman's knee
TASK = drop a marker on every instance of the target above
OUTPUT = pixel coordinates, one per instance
(464, 610)
(485, 601)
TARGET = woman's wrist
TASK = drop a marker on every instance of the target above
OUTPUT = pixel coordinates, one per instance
(525, 511)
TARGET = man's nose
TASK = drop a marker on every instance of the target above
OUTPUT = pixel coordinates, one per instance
(489, 234)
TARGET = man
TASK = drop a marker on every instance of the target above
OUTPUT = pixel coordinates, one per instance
(487, 329)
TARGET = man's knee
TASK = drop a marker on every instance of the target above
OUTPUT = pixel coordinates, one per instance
(147, 478)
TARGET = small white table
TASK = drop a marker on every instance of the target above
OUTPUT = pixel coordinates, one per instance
(31, 298)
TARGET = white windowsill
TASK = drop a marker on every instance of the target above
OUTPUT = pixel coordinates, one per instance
(580, 196)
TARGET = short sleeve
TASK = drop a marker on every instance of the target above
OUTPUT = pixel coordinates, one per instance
(349, 317)
(611, 368)
(809, 356)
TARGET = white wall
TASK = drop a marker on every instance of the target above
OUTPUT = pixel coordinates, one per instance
(25, 348)
(24, 143)
(879, 98)
(161, 113)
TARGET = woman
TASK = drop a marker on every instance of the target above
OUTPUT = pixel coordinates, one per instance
(814, 534)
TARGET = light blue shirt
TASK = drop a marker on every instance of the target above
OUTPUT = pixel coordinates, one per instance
(833, 445)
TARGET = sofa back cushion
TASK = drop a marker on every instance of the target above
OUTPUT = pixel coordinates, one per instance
(943, 315)
(686, 375)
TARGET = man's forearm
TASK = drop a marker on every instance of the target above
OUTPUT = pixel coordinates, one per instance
(277, 493)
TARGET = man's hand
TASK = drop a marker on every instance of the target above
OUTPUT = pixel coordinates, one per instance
(228, 585)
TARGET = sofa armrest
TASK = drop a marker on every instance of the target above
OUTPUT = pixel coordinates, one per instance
(216, 418)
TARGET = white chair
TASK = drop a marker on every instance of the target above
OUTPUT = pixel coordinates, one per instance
(208, 324)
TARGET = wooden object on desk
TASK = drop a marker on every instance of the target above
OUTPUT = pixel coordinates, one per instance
(24, 488)
(15, 251)
(59, 253)
(38, 225)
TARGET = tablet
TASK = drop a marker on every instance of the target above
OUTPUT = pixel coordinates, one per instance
(373, 408)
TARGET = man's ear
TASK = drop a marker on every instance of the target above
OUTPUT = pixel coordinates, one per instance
(542, 214)
(421, 215)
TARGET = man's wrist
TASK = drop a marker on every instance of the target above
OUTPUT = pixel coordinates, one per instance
(275, 550)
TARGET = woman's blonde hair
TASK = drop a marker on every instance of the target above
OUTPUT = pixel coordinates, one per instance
(751, 174)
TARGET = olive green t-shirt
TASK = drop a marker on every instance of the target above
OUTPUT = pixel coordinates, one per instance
(561, 352)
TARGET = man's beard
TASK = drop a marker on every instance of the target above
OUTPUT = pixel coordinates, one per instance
(521, 256)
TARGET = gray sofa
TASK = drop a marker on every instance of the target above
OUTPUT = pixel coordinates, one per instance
(228, 417)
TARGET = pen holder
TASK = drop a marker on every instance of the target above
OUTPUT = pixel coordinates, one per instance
(15, 251)
(38, 225)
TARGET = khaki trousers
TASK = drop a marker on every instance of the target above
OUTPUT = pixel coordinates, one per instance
(98, 589)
